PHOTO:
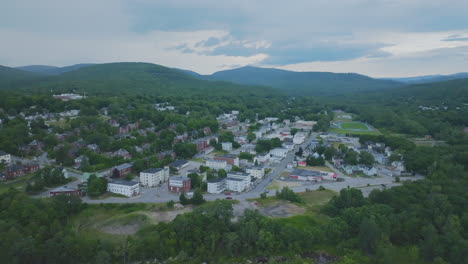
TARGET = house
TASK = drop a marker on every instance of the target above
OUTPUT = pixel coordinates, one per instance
(288, 145)
(229, 158)
(216, 185)
(179, 164)
(256, 171)
(14, 171)
(216, 164)
(80, 160)
(227, 146)
(279, 152)
(262, 157)
(5, 157)
(122, 153)
(369, 171)
(258, 134)
(153, 177)
(93, 147)
(127, 188)
(179, 184)
(30, 167)
(64, 191)
(121, 170)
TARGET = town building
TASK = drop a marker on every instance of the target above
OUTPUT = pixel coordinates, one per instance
(217, 185)
(121, 170)
(179, 164)
(179, 184)
(5, 157)
(154, 176)
(279, 152)
(307, 175)
(127, 188)
(262, 157)
(256, 171)
(229, 158)
(216, 164)
(299, 138)
(64, 191)
(226, 146)
(237, 181)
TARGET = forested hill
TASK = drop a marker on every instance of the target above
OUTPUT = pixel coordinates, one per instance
(302, 83)
(430, 78)
(10, 76)
(52, 70)
(136, 78)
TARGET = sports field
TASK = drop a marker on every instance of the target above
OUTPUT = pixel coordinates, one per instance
(353, 125)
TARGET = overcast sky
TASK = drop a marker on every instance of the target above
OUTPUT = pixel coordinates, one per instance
(380, 38)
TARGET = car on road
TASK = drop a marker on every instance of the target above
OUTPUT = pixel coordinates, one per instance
(228, 193)
(340, 179)
(228, 198)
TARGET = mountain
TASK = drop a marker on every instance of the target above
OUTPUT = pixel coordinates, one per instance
(302, 83)
(430, 78)
(10, 77)
(52, 70)
(139, 78)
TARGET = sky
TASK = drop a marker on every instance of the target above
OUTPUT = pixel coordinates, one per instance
(379, 38)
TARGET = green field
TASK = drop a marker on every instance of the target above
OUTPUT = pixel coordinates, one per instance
(346, 131)
(353, 125)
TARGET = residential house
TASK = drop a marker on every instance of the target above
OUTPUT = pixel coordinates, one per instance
(154, 176)
(5, 158)
(122, 153)
(226, 146)
(127, 188)
(217, 185)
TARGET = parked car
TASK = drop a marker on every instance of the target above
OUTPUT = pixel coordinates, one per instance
(229, 198)
(340, 179)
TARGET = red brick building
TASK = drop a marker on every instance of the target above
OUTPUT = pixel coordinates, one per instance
(65, 191)
(179, 184)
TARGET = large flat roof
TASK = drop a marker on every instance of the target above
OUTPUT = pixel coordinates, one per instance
(123, 182)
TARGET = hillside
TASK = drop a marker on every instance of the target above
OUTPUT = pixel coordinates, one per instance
(303, 83)
(140, 78)
(52, 70)
(430, 78)
(11, 77)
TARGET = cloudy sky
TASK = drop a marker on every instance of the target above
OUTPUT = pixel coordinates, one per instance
(380, 38)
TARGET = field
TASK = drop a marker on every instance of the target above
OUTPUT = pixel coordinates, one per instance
(354, 132)
(18, 183)
(353, 125)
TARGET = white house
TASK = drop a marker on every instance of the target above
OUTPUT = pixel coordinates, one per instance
(279, 152)
(257, 171)
(216, 164)
(5, 157)
(127, 188)
(369, 171)
(153, 177)
(227, 146)
(258, 134)
(288, 145)
(262, 157)
(216, 185)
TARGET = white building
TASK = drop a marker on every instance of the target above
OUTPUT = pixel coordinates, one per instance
(288, 145)
(227, 146)
(262, 158)
(216, 164)
(258, 134)
(216, 185)
(153, 177)
(5, 157)
(299, 138)
(279, 152)
(257, 172)
(237, 181)
(127, 188)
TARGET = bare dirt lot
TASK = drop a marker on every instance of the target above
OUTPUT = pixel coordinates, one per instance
(281, 209)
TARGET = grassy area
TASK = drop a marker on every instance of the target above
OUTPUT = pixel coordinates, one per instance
(353, 125)
(198, 160)
(219, 152)
(345, 131)
(17, 183)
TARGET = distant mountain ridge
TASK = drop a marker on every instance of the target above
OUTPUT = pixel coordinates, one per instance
(430, 78)
(128, 78)
(52, 70)
(301, 83)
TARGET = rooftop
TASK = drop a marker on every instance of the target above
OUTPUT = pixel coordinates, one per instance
(234, 179)
(124, 182)
(306, 173)
(179, 163)
(215, 180)
(153, 170)
(123, 166)
(63, 189)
